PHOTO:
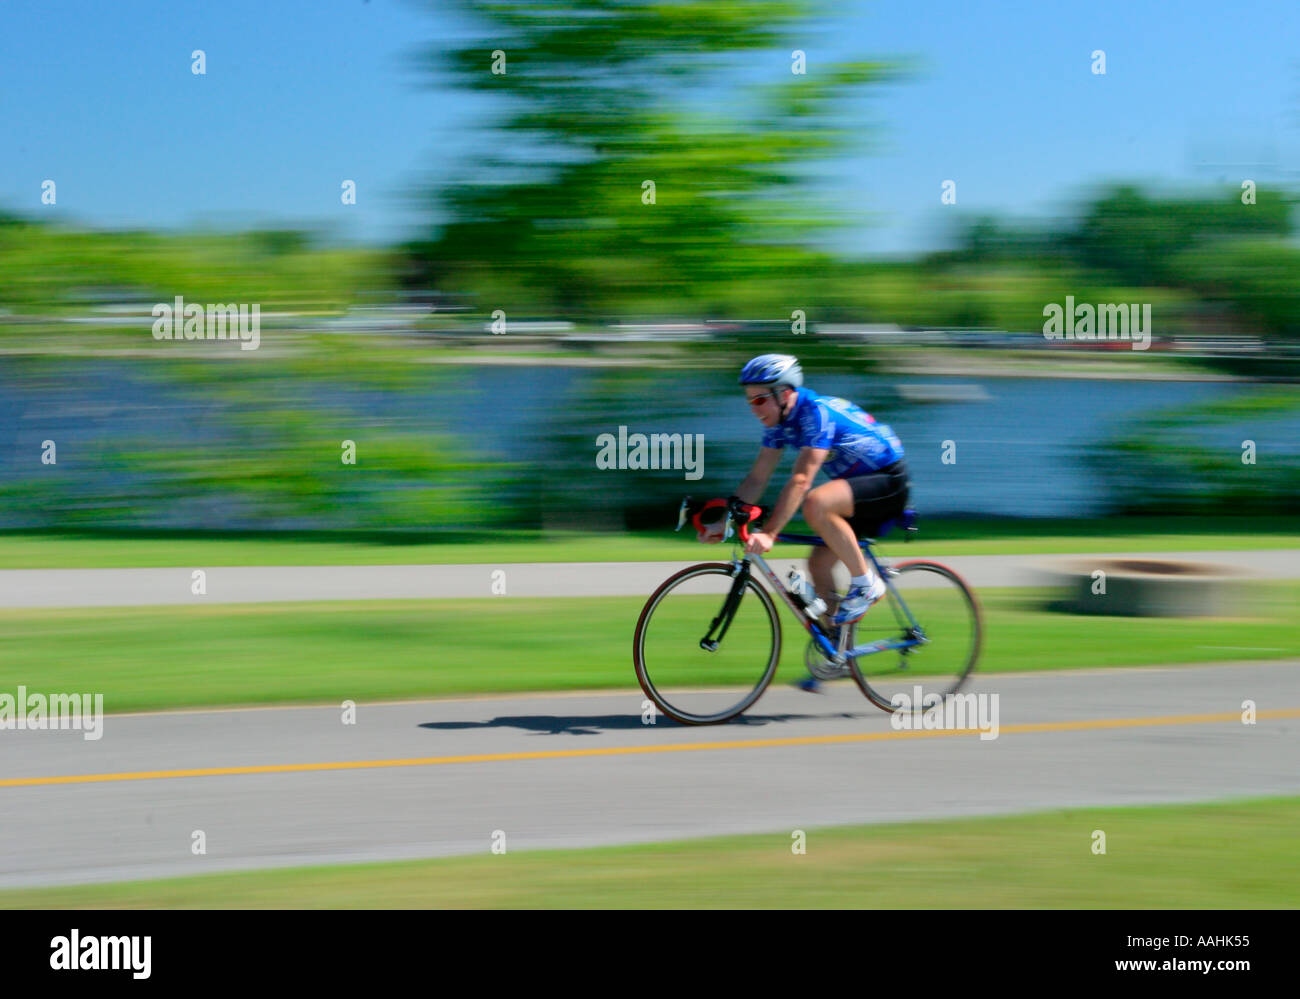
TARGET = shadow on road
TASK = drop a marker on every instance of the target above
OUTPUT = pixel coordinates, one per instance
(595, 724)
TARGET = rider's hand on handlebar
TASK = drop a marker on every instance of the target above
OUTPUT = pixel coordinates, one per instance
(759, 543)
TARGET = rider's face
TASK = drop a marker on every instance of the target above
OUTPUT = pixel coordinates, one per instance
(763, 404)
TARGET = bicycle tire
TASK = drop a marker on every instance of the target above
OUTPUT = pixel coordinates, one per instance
(968, 661)
(655, 600)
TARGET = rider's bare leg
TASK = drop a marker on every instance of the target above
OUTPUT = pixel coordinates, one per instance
(821, 565)
(826, 509)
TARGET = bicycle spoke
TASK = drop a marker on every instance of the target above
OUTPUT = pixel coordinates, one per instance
(694, 681)
(947, 619)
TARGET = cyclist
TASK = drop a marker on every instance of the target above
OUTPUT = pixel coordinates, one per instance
(863, 460)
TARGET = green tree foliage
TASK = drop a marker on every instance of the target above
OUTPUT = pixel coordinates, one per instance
(1124, 245)
(1190, 460)
(1140, 239)
(47, 269)
(262, 450)
(602, 97)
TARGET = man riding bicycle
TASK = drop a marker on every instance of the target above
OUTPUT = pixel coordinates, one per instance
(862, 458)
(715, 607)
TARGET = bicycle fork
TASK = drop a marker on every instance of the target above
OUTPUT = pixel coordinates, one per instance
(709, 643)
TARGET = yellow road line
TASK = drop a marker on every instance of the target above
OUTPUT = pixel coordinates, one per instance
(672, 747)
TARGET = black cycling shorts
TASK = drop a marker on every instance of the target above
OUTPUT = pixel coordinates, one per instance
(878, 497)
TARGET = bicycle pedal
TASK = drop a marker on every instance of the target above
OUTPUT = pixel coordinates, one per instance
(821, 667)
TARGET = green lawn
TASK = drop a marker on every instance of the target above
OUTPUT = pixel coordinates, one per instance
(1238, 855)
(226, 654)
(937, 537)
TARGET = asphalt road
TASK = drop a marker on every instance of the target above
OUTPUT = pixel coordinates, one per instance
(409, 780)
(257, 584)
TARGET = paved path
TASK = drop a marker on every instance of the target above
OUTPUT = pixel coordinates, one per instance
(410, 780)
(258, 584)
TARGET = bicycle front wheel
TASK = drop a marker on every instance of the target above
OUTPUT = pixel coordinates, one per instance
(706, 645)
(932, 606)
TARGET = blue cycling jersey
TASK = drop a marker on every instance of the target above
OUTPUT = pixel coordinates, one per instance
(857, 444)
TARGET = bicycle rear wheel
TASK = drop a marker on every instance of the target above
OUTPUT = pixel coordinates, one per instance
(929, 602)
(688, 679)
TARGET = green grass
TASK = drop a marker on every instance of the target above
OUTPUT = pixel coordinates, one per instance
(227, 654)
(1236, 855)
(53, 550)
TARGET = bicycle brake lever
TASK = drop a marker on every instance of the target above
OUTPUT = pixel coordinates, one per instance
(681, 514)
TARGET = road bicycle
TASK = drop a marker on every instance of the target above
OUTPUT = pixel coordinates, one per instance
(708, 640)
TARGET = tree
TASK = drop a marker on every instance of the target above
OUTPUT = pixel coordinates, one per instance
(598, 98)
(1138, 238)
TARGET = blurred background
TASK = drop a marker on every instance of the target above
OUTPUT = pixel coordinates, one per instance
(567, 218)
(479, 235)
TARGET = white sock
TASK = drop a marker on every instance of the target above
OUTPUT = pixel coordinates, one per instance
(863, 581)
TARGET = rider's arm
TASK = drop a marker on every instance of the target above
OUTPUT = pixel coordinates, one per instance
(751, 490)
(805, 469)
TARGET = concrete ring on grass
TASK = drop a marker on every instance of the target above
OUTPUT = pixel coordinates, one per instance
(1148, 587)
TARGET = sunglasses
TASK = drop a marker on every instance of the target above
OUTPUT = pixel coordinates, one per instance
(758, 401)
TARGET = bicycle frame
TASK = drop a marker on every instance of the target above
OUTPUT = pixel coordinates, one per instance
(819, 637)
(718, 592)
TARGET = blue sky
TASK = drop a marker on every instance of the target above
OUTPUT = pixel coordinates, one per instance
(299, 96)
